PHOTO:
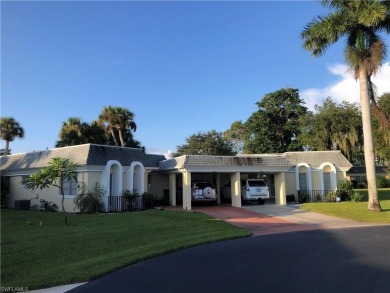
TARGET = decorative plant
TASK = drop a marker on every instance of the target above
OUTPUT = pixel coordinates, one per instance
(344, 190)
(131, 198)
(89, 202)
(330, 196)
(59, 171)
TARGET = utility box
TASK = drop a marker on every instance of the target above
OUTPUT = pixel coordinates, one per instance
(22, 205)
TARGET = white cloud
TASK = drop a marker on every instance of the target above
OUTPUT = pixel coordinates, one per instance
(155, 151)
(346, 88)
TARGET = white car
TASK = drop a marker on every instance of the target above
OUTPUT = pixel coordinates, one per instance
(203, 191)
(251, 189)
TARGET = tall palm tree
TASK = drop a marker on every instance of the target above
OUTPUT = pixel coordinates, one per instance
(360, 22)
(71, 132)
(107, 120)
(124, 119)
(10, 129)
(119, 119)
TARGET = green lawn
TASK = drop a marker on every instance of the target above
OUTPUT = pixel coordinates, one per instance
(36, 255)
(355, 210)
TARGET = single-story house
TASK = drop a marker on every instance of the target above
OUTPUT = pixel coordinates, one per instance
(357, 174)
(118, 169)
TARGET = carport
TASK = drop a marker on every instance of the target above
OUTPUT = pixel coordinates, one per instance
(183, 169)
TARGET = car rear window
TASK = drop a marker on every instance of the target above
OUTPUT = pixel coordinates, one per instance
(202, 185)
(256, 183)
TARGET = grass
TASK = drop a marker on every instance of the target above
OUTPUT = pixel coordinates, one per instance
(39, 251)
(355, 210)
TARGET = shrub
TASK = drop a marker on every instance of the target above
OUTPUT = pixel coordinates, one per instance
(356, 196)
(344, 190)
(382, 182)
(49, 206)
(89, 202)
(131, 197)
(330, 196)
(290, 198)
(318, 197)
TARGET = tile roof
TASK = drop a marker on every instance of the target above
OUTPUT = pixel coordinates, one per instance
(86, 154)
(289, 159)
(316, 158)
(209, 161)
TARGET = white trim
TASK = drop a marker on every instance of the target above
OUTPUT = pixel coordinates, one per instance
(308, 174)
(333, 176)
(117, 180)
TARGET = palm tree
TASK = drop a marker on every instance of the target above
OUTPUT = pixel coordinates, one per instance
(119, 119)
(10, 129)
(360, 22)
(71, 132)
(124, 119)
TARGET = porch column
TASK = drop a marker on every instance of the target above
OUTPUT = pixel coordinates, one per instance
(186, 190)
(236, 189)
(172, 189)
(146, 182)
(218, 188)
(280, 189)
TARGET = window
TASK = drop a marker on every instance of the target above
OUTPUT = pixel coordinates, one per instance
(327, 181)
(302, 181)
(70, 187)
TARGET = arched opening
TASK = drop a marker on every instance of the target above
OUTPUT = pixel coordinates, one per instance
(303, 177)
(111, 181)
(328, 178)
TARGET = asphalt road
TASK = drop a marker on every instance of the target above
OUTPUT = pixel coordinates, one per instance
(339, 260)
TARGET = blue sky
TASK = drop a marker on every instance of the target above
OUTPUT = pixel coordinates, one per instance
(181, 67)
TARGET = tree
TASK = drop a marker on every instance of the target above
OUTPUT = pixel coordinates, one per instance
(55, 174)
(10, 129)
(333, 127)
(276, 125)
(119, 119)
(237, 134)
(381, 132)
(209, 143)
(360, 22)
(75, 132)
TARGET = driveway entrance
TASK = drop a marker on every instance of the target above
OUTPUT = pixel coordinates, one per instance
(271, 219)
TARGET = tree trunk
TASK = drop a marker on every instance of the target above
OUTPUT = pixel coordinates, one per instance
(369, 154)
(62, 201)
(121, 137)
(6, 151)
(113, 136)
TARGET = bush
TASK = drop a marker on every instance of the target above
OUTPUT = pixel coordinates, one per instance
(356, 196)
(131, 197)
(290, 198)
(344, 190)
(382, 182)
(89, 202)
(330, 196)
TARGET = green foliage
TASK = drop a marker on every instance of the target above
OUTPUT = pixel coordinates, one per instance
(356, 196)
(238, 134)
(344, 190)
(9, 130)
(94, 245)
(334, 126)
(58, 171)
(49, 206)
(290, 197)
(381, 134)
(89, 202)
(382, 182)
(330, 196)
(75, 132)
(274, 128)
(119, 122)
(209, 143)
